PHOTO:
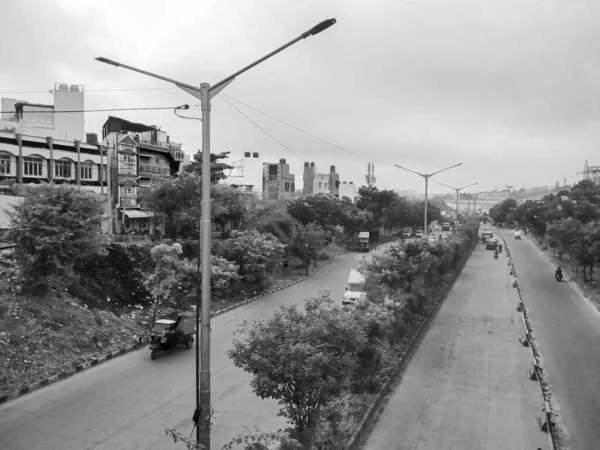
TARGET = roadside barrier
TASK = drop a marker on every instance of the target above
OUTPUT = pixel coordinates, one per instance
(547, 418)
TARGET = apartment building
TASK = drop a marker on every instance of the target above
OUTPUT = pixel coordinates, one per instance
(277, 180)
(317, 182)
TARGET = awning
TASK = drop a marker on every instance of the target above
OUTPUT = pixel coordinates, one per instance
(135, 214)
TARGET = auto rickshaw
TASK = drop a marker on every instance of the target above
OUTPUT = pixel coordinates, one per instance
(170, 331)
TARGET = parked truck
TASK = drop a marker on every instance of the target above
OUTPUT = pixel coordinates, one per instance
(354, 289)
(363, 241)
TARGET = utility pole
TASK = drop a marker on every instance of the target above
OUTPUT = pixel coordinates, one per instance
(457, 191)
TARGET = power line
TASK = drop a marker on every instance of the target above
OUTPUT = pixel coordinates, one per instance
(92, 90)
(302, 131)
(94, 110)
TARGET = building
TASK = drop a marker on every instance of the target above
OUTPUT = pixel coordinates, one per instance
(137, 154)
(36, 119)
(277, 180)
(320, 183)
(350, 190)
(591, 173)
(33, 160)
(247, 174)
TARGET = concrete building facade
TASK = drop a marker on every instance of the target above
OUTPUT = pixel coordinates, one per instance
(350, 190)
(316, 182)
(277, 180)
(247, 174)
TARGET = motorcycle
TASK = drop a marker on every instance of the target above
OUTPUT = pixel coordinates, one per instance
(496, 254)
(558, 275)
(170, 331)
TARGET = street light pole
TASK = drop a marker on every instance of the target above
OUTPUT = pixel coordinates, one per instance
(457, 191)
(426, 176)
(205, 93)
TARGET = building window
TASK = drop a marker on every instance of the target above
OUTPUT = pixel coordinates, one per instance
(86, 172)
(287, 186)
(62, 169)
(325, 185)
(293, 187)
(4, 165)
(320, 185)
(32, 166)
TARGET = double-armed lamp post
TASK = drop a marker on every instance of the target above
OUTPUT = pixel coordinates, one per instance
(457, 191)
(427, 176)
(205, 93)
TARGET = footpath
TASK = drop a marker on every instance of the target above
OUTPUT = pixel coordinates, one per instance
(467, 386)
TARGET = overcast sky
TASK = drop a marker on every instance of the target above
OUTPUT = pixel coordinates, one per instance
(509, 88)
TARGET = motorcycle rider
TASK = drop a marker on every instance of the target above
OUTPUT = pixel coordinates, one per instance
(558, 274)
(500, 248)
(496, 253)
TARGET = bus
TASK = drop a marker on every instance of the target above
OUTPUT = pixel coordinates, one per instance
(446, 226)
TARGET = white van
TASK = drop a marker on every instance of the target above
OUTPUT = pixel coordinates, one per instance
(354, 290)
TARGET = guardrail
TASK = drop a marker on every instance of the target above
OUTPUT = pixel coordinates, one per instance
(535, 373)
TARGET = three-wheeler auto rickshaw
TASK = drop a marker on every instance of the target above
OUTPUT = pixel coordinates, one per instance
(170, 331)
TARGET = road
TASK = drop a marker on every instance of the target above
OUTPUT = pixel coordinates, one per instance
(127, 403)
(465, 387)
(568, 331)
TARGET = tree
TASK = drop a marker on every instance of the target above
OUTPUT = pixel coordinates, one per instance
(376, 201)
(53, 225)
(306, 241)
(224, 273)
(257, 255)
(270, 216)
(217, 167)
(300, 359)
(499, 212)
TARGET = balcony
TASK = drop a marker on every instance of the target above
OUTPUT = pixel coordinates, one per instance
(154, 170)
(173, 148)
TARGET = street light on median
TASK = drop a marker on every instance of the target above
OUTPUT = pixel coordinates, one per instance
(457, 190)
(427, 176)
(205, 93)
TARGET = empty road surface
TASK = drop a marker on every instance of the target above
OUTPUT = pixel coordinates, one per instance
(568, 331)
(128, 402)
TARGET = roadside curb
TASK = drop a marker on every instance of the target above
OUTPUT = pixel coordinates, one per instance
(357, 440)
(96, 361)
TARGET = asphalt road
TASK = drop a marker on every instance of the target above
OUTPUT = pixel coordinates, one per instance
(128, 402)
(568, 330)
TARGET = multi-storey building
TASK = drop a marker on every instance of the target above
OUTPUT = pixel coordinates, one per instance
(137, 153)
(36, 119)
(350, 190)
(277, 180)
(320, 183)
(246, 174)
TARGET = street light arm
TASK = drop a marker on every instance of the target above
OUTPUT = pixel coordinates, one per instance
(404, 168)
(150, 74)
(447, 168)
(313, 31)
(451, 187)
(464, 187)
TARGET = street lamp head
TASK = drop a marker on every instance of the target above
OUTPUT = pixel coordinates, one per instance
(319, 27)
(107, 61)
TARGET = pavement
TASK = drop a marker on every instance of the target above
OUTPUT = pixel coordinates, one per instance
(127, 403)
(568, 332)
(467, 386)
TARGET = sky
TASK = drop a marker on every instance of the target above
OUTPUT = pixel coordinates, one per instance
(509, 88)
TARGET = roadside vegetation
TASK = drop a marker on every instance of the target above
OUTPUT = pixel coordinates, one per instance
(68, 294)
(566, 226)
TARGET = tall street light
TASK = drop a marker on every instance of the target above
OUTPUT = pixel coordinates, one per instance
(427, 176)
(205, 93)
(457, 190)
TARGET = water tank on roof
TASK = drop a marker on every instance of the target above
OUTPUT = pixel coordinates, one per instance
(255, 155)
(74, 88)
(332, 168)
(246, 154)
(312, 164)
(63, 87)
(306, 164)
(282, 161)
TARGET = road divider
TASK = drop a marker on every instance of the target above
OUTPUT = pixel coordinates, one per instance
(142, 341)
(535, 372)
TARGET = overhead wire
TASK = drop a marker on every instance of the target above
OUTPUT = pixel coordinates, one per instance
(96, 110)
(50, 91)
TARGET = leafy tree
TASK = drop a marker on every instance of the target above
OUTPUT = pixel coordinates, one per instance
(399, 214)
(499, 212)
(376, 202)
(228, 205)
(257, 255)
(270, 216)
(217, 166)
(224, 273)
(306, 241)
(53, 225)
(300, 359)
(433, 213)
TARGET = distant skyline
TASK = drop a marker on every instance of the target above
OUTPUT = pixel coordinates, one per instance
(510, 88)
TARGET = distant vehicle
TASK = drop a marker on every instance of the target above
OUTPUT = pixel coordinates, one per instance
(487, 234)
(517, 235)
(491, 244)
(431, 239)
(446, 226)
(170, 331)
(436, 228)
(419, 234)
(407, 232)
(363, 241)
(354, 290)
(458, 226)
